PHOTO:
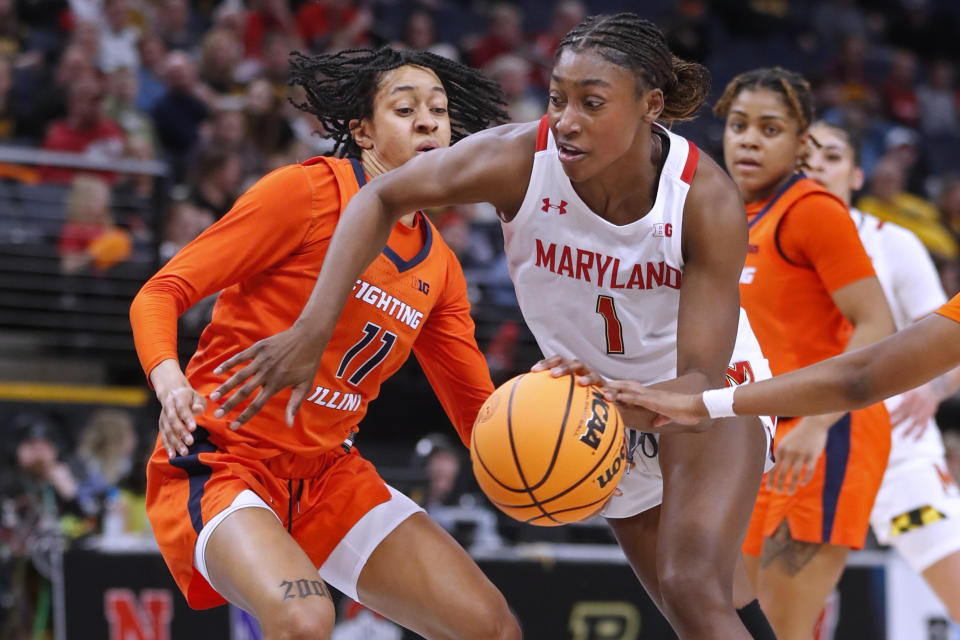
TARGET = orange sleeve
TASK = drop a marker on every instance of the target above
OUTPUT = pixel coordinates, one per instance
(819, 233)
(265, 225)
(951, 309)
(448, 353)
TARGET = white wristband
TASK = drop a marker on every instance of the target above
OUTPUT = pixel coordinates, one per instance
(719, 402)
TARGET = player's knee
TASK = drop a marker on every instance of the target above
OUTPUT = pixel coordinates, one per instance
(682, 584)
(301, 621)
(495, 621)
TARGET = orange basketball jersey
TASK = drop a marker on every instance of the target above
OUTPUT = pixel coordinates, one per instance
(951, 309)
(264, 257)
(793, 265)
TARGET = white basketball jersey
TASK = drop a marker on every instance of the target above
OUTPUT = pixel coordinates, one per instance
(605, 294)
(912, 288)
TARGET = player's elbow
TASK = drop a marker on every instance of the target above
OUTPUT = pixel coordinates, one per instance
(857, 381)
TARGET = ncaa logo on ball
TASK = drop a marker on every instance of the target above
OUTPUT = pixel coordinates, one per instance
(488, 409)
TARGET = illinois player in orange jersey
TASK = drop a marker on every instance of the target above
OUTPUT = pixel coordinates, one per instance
(604, 212)
(249, 515)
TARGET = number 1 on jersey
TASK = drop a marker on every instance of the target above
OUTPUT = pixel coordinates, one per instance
(612, 326)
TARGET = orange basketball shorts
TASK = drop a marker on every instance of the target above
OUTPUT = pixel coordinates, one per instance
(834, 507)
(318, 500)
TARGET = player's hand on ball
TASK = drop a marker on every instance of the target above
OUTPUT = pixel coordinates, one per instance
(280, 361)
(679, 410)
(560, 366)
(797, 454)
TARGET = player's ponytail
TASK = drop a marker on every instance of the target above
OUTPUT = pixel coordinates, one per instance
(635, 43)
(687, 90)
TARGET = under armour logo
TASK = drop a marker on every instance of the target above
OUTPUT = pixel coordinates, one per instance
(561, 208)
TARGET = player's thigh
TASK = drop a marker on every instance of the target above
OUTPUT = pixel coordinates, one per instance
(419, 577)
(794, 580)
(254, 563)
(710, 482)
(944, 578)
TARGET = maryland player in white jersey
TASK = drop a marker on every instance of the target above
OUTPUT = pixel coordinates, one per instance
(917, 509)
(623, 212)
(614, 292)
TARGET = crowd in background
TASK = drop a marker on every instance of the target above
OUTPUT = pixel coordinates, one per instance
(202, 86)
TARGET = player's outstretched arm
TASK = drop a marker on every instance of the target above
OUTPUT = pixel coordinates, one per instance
(490, 166)
(849, 381)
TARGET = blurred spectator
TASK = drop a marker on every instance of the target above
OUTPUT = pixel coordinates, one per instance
(687, 28)
(103, 457)
(150, 86)
(835, 20)
(505, 35)
(184, 222)
(178, 115)
(847, 76)
(49, 99)
(216, 180)
(949, 202)
(275, 61)
(420, 34)
(86, 35)
(227, 130)
(265, 17)
(118, 38)
(903, 145)
(937, 100)
(12, 33)
(899, 89)
(8, 114)
(220, 54)
(927, 31)
(120, 105)
(513, 74)
(177, 26)
(268, 129)
(566, 15)
(332, 25)
(86, 129)
(887, 199)
(89, 240)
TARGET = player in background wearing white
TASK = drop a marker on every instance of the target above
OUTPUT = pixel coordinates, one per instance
(917, 509)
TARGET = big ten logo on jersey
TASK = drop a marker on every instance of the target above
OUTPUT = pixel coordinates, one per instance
(145, 618)
(597, 423)
(662, 230)
(420, 285)
(739, 373)
(746, 276)
(604, 621)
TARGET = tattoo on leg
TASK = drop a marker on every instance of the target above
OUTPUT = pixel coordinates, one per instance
(791, 555)
(304, 589)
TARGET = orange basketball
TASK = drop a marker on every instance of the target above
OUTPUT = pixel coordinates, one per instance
(547, 450)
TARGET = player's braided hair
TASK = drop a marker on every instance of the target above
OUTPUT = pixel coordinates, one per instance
(791, 85)
(635, 43)
(340, 87)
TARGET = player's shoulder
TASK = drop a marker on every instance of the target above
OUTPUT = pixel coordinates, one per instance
(712, 191)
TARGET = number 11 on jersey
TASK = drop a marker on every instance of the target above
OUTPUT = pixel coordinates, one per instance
(612, 327)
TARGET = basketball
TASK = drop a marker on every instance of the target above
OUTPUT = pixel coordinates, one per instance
(548, 451)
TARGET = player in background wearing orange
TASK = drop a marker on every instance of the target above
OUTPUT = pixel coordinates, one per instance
(805, 282)
(599, 179)
(249, 515)
(917, 510)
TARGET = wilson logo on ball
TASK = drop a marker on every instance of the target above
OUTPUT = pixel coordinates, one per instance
(613, 470)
